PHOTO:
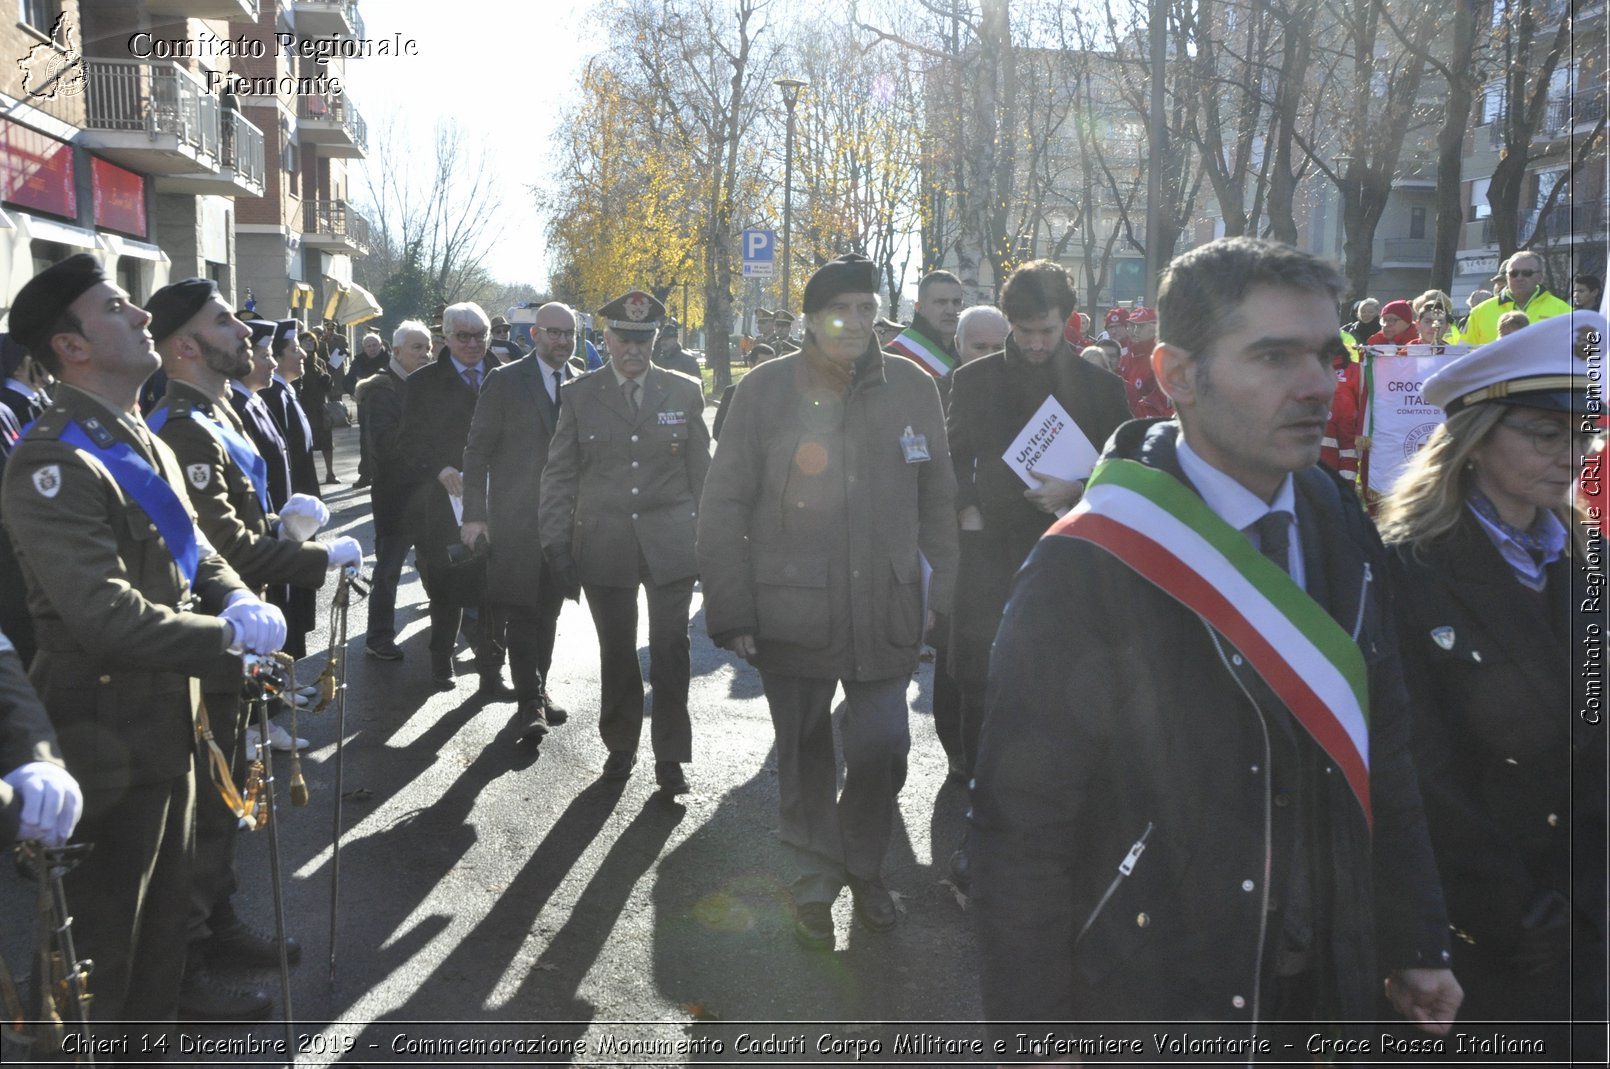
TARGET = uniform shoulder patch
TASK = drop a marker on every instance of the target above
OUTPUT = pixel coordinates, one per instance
(47, 480)
(200, 475)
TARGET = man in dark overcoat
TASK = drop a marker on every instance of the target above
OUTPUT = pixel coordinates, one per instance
(396, 480)
(620, 500)
(508, 446)
(438, 405)
(991, 400)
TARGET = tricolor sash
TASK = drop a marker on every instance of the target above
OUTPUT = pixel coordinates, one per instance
(245, 456)
(150, 491)
(1154, 524)
(929, 354)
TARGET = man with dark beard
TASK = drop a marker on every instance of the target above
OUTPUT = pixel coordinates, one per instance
(203, 346)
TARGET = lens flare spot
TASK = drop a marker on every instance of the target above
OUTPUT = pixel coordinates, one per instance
(811, 458)
(723, 913)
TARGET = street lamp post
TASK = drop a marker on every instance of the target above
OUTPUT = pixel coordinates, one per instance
(790, 88)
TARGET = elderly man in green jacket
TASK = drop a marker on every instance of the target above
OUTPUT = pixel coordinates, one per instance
(831, 485)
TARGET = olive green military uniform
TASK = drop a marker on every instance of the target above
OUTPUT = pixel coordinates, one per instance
(230, 514)
(119, 652)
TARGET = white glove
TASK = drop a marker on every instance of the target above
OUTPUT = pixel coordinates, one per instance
(345, 551)
(51, 801)
(258, 626)
(302, 517)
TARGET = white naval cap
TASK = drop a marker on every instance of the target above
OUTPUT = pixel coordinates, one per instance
(1545, 365)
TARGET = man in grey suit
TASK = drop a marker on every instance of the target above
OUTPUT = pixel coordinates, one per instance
(620, 498)
(515, 418)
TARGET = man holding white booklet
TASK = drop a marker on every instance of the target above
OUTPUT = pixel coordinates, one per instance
(1012, 415)
(1193, 798)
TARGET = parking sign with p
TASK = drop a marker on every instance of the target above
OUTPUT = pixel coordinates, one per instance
(759, 249)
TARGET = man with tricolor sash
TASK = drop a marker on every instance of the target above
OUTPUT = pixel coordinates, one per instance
(203, 345)
(122, 588)
(1193, 798)
(931, 338)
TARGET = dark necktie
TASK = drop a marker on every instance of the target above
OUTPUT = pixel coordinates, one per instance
(1274, 537)
(472, 375)
(631, 395)
(553, 399)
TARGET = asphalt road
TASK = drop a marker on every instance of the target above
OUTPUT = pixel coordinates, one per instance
(504, 898)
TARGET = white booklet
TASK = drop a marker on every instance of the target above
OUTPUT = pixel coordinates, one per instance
(1051, 443)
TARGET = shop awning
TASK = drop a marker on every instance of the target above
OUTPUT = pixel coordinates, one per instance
(301, 296)
(351, 305)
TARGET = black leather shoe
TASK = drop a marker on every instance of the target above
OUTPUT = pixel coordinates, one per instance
(874, 906)
(383, 650)
(493, 688)
(556, 714)
(243, 945)
(203, 997)
(536, 728)
(619, 765)
(441, 671)
(668, 774)
(813, 925)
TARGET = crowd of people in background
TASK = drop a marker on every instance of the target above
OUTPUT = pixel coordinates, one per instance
(1220, 737)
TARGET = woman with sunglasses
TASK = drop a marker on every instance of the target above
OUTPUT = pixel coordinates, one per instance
(1524, 292)
(1493, 576)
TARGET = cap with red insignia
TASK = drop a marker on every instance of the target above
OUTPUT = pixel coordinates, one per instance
(1116, 316)
(632, 313)
(1143, 315)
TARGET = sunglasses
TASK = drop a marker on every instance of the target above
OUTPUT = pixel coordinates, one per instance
(1521, 274)
(464, 337)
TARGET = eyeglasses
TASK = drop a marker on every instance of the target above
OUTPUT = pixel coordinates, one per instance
(464, 337)
(557, 334)
(1551, 440)
(1521, 274)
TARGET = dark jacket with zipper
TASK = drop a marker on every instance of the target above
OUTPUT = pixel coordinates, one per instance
(1513, 776)
(1118, 719)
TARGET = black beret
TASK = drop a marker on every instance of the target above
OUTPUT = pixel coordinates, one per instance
(173, 305)
(850, 273)
(262, 330)
(50, 293)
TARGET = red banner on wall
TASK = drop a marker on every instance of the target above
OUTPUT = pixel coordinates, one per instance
(119, 197)
(36, 171)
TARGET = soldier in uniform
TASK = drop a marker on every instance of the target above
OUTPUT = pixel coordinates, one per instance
(620, 497)
(668, 352)
(202, 346)
(782, 322)
(38, 798)
(116, 573)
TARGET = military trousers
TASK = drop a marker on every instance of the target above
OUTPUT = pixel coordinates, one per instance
(130, 900)
(620, 710)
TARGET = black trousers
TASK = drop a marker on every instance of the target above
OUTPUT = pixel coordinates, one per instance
(620, 712)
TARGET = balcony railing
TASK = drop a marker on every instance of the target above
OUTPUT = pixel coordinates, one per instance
(1565, 222)
(335, 218)
(156, 97)
(1407, 250)
(335, 109)
(1560, 116)
(244, 150)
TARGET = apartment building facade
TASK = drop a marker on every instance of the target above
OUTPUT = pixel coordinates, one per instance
(121, 135)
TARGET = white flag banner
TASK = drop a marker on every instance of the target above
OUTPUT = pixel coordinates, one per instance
(1400, 419)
